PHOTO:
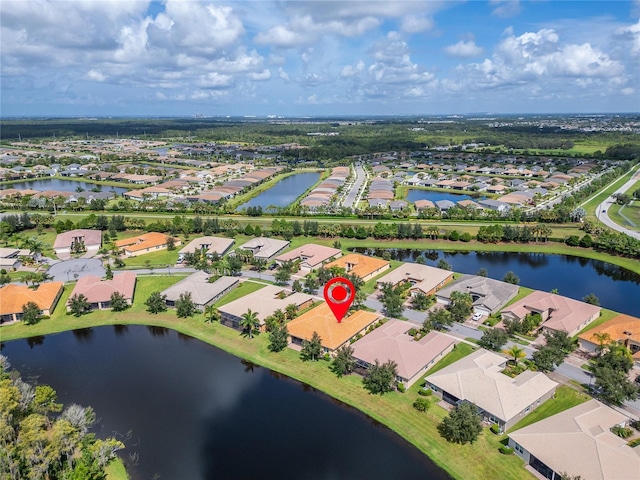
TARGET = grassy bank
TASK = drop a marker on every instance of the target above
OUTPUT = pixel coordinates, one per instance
(478, 461)
(592, 203)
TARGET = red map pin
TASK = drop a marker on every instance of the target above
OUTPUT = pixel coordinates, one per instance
(339, 294)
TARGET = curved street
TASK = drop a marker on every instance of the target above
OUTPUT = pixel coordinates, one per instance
(602, 210)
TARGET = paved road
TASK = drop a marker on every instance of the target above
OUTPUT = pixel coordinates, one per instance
(353, 196)
(602, 211)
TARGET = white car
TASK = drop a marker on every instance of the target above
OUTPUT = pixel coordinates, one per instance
(477, 316)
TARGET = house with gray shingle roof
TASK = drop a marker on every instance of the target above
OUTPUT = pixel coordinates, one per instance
(202, 292)
(488, 295)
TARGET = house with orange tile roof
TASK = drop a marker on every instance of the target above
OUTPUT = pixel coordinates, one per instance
(333, 334)
(392, 342)
(98, 291)
(623, 329)
(14, 297)
(360, 265)
(146, 243)
(557, 312)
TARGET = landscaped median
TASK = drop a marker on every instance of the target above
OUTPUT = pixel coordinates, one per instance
(481, 460)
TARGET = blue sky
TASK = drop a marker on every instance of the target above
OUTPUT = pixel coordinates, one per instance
(328, 57)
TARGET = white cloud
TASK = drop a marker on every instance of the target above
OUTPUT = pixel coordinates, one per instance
(416, 24)
(283, 75)
(95, 75)
(505, 8)
(464, 49)
(631, 34)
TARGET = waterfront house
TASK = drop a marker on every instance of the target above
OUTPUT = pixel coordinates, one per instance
(622, 329)
(311, 256)
(391, 341)
(202, 292)
(488, 295)
(98, 291)
(208, 245)
(478, 378)
(578, 442)
(265, 247)
(557, 312)
(423, 278)
(14, 297)
(333, 334)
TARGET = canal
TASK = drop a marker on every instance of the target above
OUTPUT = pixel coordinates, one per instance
(284, 192)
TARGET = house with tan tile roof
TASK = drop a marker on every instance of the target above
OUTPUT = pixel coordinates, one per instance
(557, 312)
(264, 303)
(423, 278)
(362, 266)
(146, 243)
(578, 442)
(392, 342)
(333, 334)
(310, 255)
(92, 240)
(478, 378)
(623, 329)
(209, 245)
(265, 247)
(99, 291)
(14, 297)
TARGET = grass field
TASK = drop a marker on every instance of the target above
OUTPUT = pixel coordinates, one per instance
(626, 215)
(592, 203)
(565, 398)
(470, 462)
(116, 471)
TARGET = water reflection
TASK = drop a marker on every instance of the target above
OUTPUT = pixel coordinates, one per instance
(575, 277)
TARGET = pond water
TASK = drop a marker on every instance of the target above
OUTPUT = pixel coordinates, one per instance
(284, 192)
(415, 194)
(187, 410)
(64, 186)
(617, 288)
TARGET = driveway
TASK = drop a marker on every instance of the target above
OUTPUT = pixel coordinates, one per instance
(71, 270)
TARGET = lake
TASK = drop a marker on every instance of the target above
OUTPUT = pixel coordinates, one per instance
(188, 411)
(415, 194)
(285, 192)
(617, 288)
(63, 186)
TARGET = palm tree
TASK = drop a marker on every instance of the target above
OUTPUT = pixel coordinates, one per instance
(291, 311)
(211, 314)
(516, 352)
(250, 323)
(603, 339)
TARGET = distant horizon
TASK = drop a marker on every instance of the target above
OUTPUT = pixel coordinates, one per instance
(322, 58)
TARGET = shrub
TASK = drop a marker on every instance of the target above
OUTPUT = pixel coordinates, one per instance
(401, 388)
(635, 424)
(421, 404)
(505, 450)
(425, 392)
(454, 236)
(634, 443)
(465, 237)
(495, 428)
(326, 357)
(622, 432)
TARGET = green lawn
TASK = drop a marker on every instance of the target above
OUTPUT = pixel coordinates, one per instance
(116, 471)
(565, 398)
(459, 351)
(626, 215)
(245, 288)
(592, 203)
(470, 462)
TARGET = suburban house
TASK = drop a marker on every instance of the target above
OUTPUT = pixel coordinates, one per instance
(66, 241)
(391, 342)
(202, 292)
(578, 442)
(10, 257)
(208, 245)
(623, 329)
(264, 247)
(360, 265)
(146, 243)
(99, 291)
(423, 278)
(311, 256)
(333, 334)
(264, 303)
(488, 295)
(478, 378)
(14, 297)
(557, 312)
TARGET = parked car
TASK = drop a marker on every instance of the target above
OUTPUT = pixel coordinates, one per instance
(477, 316)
